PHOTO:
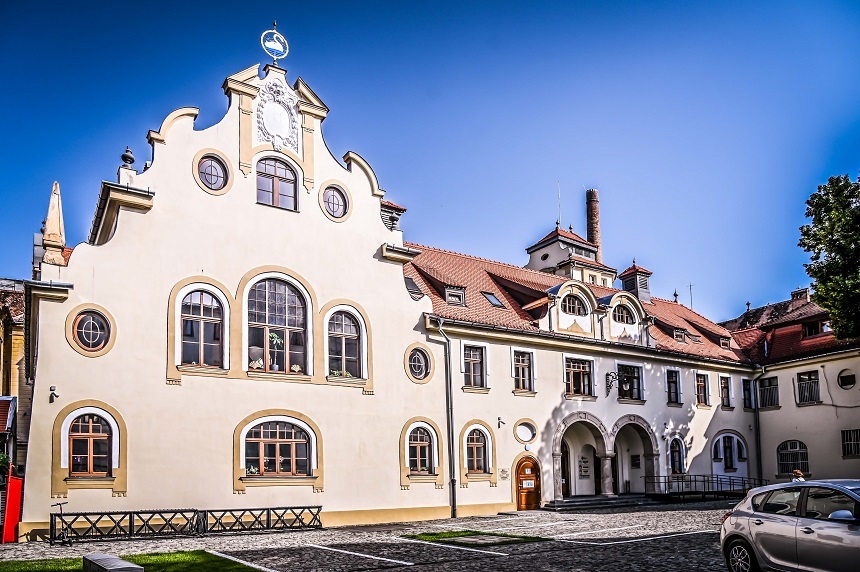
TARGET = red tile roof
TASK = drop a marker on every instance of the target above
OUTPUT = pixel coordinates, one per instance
(634, 269)
(391, 205)
(67, 254)
(509, 282)
(560, 232)
(13, 302)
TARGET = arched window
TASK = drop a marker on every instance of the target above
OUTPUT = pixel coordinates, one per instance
(89, 447)
(276, 184)
(202, 327)
(573, 305)
(623, 315)
(344, 345)
(277, 448)
(277, 327)
(420, 452)
(476, 452)
(791, 455)
(676, 457)
(718, 454)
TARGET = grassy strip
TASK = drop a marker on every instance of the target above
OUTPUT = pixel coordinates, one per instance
(194, 561)
(451, 536)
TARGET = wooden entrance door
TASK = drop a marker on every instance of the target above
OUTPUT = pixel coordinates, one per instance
(528, 484)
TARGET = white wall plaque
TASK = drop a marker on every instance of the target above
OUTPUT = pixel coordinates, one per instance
(278, 116)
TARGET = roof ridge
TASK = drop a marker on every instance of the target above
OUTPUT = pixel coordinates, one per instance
(472, 256)
(693, 311)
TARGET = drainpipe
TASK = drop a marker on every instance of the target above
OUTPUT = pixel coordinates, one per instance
(756, 423)
(449, 407)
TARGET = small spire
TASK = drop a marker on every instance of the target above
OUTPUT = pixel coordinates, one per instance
(634, 261)
(676, 295)
(570, 228)
(274, 24)
(748, 306)
(54, 232)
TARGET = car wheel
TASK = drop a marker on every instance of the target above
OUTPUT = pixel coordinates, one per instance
(740, 557)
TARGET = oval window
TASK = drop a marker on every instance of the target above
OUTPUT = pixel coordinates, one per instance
(92, 331)
(335, 202)
(525, 432)
(212, 173)
(847, 379)
(419, 363)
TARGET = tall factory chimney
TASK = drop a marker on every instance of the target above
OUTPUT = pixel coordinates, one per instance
(592, 209)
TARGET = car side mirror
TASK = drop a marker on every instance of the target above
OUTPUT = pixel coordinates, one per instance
(845, 515)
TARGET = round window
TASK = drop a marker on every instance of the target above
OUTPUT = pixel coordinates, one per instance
(847, 379)
(419, 363)
(335, 202)
(525, 432)
(92, 331)
(213, 173)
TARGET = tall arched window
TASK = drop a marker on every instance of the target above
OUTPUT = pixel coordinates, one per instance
(89, 447)
(476, 452)
(420, 451)
(277, 327)
(276, 184)
(791, 455)
(623, 315)
(202, 327)
(573, 305)
(676, 457)
(344, 345)
(277, 448)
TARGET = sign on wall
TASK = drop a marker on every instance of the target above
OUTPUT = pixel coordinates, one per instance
(584, 467)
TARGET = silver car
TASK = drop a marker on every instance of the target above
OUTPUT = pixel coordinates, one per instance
(808, 525)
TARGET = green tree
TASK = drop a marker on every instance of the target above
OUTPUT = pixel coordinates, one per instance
(833, 239)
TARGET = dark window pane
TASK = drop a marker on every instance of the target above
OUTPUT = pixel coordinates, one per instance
(212, 355)
(80, 446)
(264, 190)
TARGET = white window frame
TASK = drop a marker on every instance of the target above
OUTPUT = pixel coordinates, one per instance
(486, 348)
(677, 437)
(225, 321)
(312, 437)
(284, 158)
(533, 354)
(708, 394)
(309, 323)
(731, 389)
(434, 448)
(67, 424)
(488, 448)
(564, 358)
(680, 384)
(363, 329)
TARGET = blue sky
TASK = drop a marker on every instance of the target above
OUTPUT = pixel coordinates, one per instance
(704, 125)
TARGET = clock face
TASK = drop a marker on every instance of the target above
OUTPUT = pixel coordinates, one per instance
(274, 44)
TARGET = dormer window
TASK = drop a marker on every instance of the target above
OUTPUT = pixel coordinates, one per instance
(455, 296)
(573, 305)
(492, 299)
(725, 343)
(680, 335)
(815, 328)
(623, 315)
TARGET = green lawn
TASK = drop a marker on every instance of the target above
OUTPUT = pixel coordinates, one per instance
(196, 561)
(451, 536)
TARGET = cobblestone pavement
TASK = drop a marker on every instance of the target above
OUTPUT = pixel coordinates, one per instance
(667, 537)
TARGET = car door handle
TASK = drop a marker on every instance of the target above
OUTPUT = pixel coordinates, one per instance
(758, 521)
(806, 530)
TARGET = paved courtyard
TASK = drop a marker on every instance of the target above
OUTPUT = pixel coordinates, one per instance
(669, 537)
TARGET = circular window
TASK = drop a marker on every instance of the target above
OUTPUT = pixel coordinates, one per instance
(525, 432)
(419, 363)
(91, 331)
(212, 173)
(847, 379)
(544, 256)
(335, 202)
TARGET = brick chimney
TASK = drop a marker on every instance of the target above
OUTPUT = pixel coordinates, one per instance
(592, 208)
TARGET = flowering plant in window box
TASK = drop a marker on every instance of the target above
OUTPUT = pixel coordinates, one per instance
(252, 470)
(339, 373)
(296, 368)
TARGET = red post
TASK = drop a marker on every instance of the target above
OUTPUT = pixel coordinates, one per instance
(14, 490)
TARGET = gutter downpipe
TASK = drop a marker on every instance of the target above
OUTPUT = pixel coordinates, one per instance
(449, 411)
(756, 422)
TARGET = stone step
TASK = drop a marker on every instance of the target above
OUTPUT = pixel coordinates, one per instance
(574, 504)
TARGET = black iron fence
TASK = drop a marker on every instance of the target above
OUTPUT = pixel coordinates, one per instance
(703, 486)
(184, 522)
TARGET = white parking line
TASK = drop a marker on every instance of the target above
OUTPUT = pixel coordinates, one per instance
(596, 531)
(243, 562)
(636, 539)
(455, 547)
(360, 554)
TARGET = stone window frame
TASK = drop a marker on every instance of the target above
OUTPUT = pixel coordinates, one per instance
(485, 348)
(592, 372)
(431, 365)
(226, 310)
(406, 478)
(620, 310)
(514, 350)
(677, 437)
(315, 442)
(492, 474)
(680, 396)
(228, 169)
(703, 399)
(642, 381)
(61, 481)
(71, 318)
(573, 306)
(336, 184)
(297, 173)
